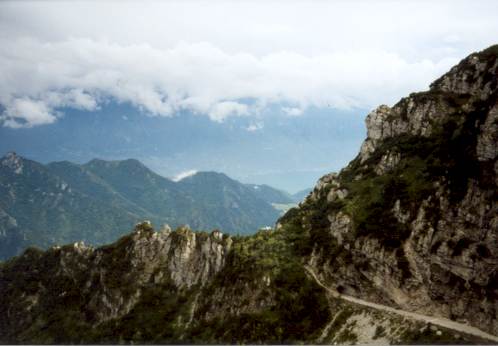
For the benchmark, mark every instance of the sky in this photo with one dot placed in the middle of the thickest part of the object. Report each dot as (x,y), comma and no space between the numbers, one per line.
(227,59)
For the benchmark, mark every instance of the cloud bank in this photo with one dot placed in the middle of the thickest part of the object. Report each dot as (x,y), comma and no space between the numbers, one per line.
(52,59)
(40,78)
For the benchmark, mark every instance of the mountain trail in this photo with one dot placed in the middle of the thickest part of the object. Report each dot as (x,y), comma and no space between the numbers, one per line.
(439,321)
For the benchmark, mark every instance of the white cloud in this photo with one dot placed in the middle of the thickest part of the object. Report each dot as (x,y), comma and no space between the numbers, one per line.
(225,59)
(198,77)
(221,110)
(22,112)
(255,127)
(292,111)
(184,175)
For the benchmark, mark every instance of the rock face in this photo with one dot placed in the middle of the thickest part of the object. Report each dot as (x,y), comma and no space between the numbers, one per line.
(106,283)
(415,224)
(184,286)
(12,161)
(472,81)
(161,287)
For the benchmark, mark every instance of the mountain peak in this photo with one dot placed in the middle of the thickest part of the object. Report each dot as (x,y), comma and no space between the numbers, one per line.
(420,196)
(115,163)
(13,161)
(94,162)
(211,174)
(202,175)
(467,89)
(475,75)
(98,162)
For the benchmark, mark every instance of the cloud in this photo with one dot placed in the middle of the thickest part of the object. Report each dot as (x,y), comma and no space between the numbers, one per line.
(255,127)
(192,56)
(292,111)
(184,175)
(221,110)
(199,77)
(22,112)
(25,111)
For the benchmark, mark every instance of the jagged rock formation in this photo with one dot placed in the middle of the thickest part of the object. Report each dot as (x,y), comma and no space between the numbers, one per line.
(411,222)
(166,286)
(185,286)
(107,282)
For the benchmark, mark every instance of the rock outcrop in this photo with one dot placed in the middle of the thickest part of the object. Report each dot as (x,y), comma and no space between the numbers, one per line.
(13,162)
(414,218)
(107,282)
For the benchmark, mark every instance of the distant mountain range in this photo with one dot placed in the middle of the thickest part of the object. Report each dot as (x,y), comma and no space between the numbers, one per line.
(275,196)
(301,195)
(96,202)
(287,152)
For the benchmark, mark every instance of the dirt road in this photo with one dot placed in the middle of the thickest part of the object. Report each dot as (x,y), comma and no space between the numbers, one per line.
(439,321)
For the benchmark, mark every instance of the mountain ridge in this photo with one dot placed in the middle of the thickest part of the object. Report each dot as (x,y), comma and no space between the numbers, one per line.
(92,201)
(411,221)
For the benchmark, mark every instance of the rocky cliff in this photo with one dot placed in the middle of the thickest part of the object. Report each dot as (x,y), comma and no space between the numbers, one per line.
(88,286)
(186,287)
(163,287)
(410,223)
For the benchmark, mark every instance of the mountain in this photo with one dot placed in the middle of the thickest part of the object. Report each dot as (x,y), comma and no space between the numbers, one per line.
(280,200)
(272,149)
(65,202)
(270,194)
(412,221)
(398,247)
(47,210)
(301,195)
(225,203)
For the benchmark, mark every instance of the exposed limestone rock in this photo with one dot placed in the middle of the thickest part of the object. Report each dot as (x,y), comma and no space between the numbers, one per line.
(376,130)
(194,261)
(183,258)
(387,162)
(471,76)
(340,226)
(399,214)
(13,162)
(406,117)
(165,228)
(325,181)
(475,76)
(445,262)
(336,193)
(487,147)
